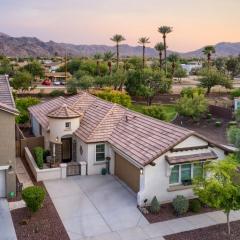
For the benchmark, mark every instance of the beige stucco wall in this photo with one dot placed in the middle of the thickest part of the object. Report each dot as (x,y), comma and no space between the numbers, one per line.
(7,148)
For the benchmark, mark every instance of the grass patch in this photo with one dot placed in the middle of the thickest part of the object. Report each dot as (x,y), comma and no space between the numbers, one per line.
(168,109)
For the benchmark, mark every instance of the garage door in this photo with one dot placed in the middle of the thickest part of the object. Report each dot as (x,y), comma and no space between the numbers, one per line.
(127,172)
(2,184)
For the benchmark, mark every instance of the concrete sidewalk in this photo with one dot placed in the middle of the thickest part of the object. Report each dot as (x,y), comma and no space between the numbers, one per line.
(7,231)
(156,231)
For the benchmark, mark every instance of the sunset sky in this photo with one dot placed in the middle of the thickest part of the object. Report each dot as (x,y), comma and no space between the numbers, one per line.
(195,22)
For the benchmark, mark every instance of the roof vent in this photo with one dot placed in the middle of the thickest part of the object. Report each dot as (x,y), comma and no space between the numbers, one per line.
(126,118)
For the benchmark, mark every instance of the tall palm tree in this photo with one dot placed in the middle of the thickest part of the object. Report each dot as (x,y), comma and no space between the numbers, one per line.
(98,57)
(173,58)
(108,57)
(208,51)
(160,48)
(143,41)
(118,38)
(164,30)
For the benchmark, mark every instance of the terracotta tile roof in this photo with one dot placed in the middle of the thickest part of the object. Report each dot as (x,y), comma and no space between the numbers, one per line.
(203,156)
(64,111)
(6,99)
(140,137)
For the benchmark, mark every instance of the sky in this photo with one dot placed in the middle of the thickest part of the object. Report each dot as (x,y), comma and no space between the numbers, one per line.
(195,23)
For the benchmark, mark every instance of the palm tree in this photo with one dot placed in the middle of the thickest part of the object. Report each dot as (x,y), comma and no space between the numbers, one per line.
(160,47)
(173,58)
(108,57)
(164,30)
(117,38)
(208,51)
(98,57)
(143,41)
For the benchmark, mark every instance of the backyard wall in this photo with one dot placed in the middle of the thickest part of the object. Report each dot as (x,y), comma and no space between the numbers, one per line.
(31,143)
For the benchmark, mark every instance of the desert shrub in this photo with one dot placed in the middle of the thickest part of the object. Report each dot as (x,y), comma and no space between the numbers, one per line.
(33,197)
(155,206)
(180,204)
(235,93)
(38,151)
(155,112)
(115,97)
(195,205)
(56,93)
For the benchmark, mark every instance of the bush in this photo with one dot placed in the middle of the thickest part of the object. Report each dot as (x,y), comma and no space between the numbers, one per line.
(33,197)
(38,151)
(46,153)
(180,204)
(155,206)
(218,123)
(155,112)
(195,205)
(235,93)
(56,93)
(115,97)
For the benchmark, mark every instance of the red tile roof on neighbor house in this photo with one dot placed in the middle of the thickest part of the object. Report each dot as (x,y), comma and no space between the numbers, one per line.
(6,99)
(139,137)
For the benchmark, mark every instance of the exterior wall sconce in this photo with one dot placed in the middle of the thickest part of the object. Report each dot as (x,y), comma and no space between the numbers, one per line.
(57,138)
(141,171)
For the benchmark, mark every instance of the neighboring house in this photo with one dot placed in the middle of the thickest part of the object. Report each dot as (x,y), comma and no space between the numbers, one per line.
(7,139)
(189,67)
(152,157)
(57,76)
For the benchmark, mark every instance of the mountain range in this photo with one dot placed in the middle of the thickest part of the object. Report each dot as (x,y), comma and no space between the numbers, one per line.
(31,46)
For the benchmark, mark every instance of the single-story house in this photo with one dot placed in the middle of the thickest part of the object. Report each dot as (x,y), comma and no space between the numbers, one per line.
(152,157)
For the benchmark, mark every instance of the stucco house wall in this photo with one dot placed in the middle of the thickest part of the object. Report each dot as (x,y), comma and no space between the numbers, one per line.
(155,179)
(7,150)
(35,127)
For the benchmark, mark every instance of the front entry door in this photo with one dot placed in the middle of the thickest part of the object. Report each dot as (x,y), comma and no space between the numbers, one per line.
(66,150)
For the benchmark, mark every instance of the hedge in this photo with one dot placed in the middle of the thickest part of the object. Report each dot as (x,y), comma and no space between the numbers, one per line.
(38,151)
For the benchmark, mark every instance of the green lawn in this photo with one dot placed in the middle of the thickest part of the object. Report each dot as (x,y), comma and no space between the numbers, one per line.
(169,110)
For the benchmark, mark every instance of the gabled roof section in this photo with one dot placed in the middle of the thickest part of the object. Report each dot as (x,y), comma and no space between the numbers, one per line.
(64,112)
(40,111)
(6,99)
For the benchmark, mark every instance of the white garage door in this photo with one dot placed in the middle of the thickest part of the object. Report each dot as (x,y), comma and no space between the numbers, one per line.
(2,184)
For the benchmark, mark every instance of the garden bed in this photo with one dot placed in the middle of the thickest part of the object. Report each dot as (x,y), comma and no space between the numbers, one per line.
(216,232)
(45,224)
(167,213)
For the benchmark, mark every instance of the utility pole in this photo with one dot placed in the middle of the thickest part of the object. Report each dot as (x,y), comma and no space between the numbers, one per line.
(66,65)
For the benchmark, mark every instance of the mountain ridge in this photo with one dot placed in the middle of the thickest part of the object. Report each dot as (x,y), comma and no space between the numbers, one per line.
(32,46)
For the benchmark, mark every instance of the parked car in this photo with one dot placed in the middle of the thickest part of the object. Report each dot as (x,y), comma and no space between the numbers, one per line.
(56,83)
(46,82)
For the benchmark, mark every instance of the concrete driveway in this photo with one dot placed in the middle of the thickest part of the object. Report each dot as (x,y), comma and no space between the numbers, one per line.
(95,205)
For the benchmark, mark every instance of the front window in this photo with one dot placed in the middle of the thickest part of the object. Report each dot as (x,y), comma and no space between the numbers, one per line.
(100,152)
(185,172)
(68,125)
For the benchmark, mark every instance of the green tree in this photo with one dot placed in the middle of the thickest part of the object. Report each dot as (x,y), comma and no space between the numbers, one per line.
(84,83)
(160,48)
(173,59)
(5,66)
(180,73)
(164,30)
(208,51)
(108,58)
(143,41)
(117,38)
(98,57)
(211,77)
(22,80)
(34,68)
(219,188)
(233,66)
(147,84)
(192,103)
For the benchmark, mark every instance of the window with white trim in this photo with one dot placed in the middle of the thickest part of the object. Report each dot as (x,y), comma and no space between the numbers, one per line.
(185,172)
(100,152)
(68,125)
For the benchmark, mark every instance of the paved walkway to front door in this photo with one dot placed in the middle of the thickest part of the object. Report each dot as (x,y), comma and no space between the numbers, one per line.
(100,208)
